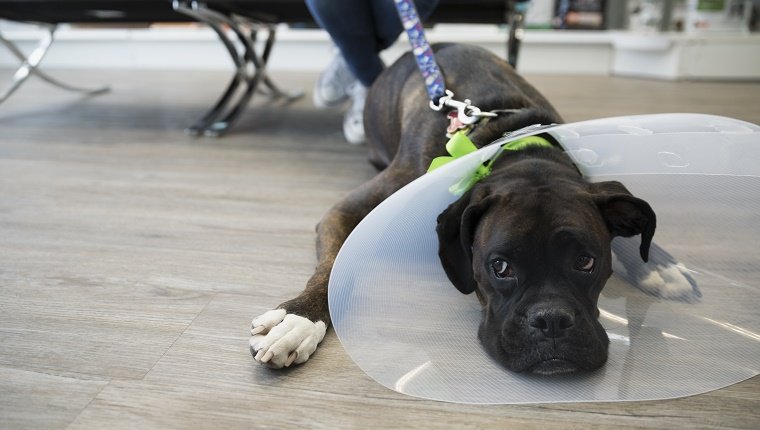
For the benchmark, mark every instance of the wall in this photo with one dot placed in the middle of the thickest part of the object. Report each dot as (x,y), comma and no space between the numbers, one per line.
(660,55)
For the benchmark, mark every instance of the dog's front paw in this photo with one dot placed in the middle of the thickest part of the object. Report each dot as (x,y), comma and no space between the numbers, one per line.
(662,276)
(279,339)
(671,282)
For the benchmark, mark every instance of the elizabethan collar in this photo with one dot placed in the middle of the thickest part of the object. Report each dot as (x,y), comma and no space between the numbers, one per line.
(407,327)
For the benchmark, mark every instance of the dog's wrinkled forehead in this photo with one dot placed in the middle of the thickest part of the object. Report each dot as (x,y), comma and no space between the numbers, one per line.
(541,217)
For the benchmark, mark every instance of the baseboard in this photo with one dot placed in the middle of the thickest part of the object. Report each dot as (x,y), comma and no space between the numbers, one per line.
(662,56)
(296,49)
(677,56)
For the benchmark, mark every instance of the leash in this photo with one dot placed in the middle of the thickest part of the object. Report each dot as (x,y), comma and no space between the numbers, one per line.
(467,115)
(435,85)
(423,53)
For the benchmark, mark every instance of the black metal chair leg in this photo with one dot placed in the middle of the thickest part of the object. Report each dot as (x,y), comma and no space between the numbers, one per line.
(30,65)
(516,21)
(272,90)
(194,10)
(251,80)
(250,67)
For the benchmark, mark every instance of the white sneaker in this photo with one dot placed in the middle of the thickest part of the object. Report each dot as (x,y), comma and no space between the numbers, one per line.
(353,121)
(332,86)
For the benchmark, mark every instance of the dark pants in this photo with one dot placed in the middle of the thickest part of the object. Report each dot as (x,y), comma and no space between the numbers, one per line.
(363,28)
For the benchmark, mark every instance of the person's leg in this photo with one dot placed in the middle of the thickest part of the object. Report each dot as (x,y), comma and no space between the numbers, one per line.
(351,26)
(361,29)
(388,27)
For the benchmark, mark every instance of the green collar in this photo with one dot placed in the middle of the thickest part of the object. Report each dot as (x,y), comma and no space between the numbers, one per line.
(460,145)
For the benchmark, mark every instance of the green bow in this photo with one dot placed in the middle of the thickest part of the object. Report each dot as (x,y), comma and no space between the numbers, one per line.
(460,145)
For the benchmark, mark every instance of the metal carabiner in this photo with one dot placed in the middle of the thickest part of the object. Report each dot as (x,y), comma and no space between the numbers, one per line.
(466,112)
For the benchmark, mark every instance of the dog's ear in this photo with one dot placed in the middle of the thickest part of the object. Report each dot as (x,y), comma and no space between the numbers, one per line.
(456,227)
(625,214)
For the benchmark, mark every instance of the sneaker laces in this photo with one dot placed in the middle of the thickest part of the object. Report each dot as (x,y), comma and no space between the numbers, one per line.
(358,94)
(334,82)
(353,122)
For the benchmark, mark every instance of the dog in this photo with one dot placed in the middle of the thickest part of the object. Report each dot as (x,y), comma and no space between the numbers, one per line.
(532,240)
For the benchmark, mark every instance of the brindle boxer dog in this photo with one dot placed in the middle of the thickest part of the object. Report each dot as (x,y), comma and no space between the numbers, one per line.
(532,240)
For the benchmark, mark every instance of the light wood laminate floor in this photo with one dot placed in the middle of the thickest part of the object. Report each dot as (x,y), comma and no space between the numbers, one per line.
(132,258)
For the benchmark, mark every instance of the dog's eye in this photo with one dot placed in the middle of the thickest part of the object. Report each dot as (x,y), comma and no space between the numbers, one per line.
(585,263)
(502,269)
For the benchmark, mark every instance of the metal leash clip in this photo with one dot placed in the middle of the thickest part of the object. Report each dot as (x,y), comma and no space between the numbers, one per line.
(466,112)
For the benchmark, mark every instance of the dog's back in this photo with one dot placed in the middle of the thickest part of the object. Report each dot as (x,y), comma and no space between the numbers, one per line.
(398,116)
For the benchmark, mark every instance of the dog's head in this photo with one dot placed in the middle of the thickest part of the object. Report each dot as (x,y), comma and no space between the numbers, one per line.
(534,244)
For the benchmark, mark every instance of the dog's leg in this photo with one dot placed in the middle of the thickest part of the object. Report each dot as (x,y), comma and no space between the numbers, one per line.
(290,334)
(662,276)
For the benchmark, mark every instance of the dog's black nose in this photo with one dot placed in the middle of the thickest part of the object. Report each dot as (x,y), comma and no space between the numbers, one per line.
(552,321)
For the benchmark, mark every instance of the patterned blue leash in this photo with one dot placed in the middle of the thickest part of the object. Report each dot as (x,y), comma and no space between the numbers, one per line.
(439,96)
(434,83)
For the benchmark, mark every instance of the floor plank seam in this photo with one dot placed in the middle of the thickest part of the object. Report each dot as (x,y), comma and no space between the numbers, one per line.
(88,404)
(110,381)
(213,296)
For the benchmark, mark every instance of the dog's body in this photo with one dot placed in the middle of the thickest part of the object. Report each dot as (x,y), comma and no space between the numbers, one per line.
(532,239)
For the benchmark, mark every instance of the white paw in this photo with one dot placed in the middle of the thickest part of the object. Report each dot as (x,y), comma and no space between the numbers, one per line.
(266,321)
(280,339)
(670,282)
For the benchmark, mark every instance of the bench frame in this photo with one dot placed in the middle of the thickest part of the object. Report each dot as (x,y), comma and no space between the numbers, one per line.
(236,23)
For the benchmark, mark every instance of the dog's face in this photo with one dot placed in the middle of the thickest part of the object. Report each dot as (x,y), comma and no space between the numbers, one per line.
(536,250)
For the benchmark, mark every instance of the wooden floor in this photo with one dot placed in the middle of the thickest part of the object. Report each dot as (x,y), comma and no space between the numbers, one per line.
(132,258)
